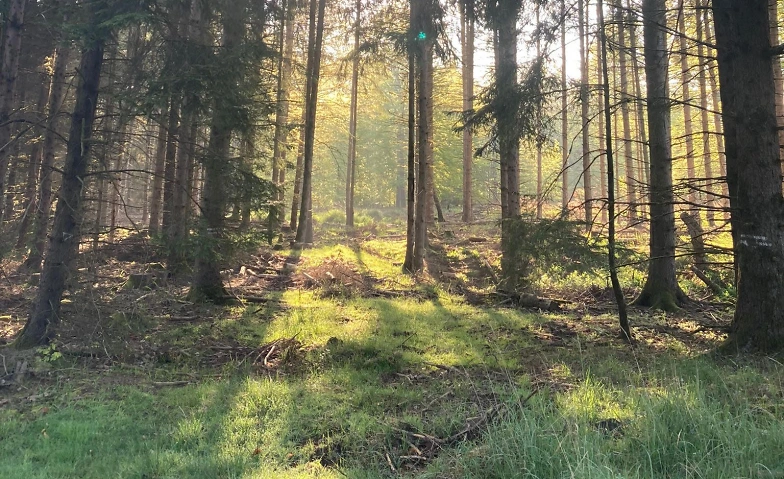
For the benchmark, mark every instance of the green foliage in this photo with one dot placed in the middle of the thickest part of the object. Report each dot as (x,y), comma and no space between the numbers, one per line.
(557,248)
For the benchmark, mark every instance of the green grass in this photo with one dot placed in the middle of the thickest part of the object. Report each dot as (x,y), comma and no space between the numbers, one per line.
(373,366)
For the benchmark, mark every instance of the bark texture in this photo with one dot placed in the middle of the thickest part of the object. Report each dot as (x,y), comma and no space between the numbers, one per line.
(753,171)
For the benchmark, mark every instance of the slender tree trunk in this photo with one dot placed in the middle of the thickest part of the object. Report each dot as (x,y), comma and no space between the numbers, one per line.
(296,200)
(56,93)
(564,119)
(631,181)
(661,289)
(584,116)
(157,180)
(707,153)
(602,141)
(282,115)
(305,227)
(688,129)
(9,69)
(351,162)
(408,263)
(620,300)
(64,242)
(170,166)
(642,131)
(753,171)
(539,139)
(33,169)
(467,11)
(717,120)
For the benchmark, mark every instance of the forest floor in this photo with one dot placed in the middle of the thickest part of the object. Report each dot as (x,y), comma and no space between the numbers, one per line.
(331,363)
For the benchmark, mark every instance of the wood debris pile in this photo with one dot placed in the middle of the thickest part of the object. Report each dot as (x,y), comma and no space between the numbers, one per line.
(271,356)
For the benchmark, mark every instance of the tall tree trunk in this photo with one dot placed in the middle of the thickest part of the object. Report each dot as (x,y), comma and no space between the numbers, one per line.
(564,119)
(423,47)
(189,124)
(408,263)
(33,169)
(601,134)
(642,131)
(64,242)
(207,284)
(688,129)
(616,285)
(468,21)
(351,162)
(316,37)
(707,153)
(55,102)
(631,181)
(170,166)
(539,134)
(296,197)
(718,126)
(584,116)
(9,69)
(753,171)
(280,146)
(157,180)
(661,289)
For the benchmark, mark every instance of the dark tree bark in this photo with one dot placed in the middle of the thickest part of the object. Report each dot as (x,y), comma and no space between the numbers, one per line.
(56,93)
(207,284)
(170,166)
(64,242)
(753,171)
(316,37)
(661,289)
(616,285)
(12,43)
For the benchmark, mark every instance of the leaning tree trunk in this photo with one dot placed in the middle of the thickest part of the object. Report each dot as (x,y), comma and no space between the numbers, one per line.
(661,289)
(753,171)
(12,42)
(64,242)
(616,285)
(281,144)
